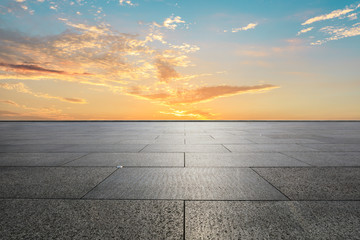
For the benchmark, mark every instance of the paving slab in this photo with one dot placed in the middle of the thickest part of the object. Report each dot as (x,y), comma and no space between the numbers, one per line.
(272,220)
(334,147)
(185,183)
(315,183)
(33,148)
(84,219)
(184,148)
(282,140)
(50,182)
(267,147)
(131,160)
(240,160)
(37,159)
(324,159)
(112,148)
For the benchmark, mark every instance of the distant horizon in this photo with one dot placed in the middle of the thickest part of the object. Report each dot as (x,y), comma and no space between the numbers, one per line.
(165,60)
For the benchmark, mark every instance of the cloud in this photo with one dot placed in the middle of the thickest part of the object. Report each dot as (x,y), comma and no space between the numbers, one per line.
(8,113)
(35,113)
(32,112)
(335,30)
(9,102)
(91,54)
(170,22)
(166,71)
(187,48)
(22,88)
(25,67)
(352,16)
(249,26)
(305,30)
(202,94)
(333,14)
(127,2)
(337,33)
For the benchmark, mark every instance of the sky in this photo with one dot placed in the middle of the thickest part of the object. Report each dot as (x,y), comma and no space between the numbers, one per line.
(179,60)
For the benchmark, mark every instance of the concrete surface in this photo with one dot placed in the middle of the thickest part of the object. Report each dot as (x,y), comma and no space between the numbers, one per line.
(180,180)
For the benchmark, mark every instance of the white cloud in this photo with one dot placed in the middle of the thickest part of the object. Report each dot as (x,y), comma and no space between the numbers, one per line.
(249,26)
(171,22)
(337,33)
(127,2)
(305,30)
(352,16)
(334,14)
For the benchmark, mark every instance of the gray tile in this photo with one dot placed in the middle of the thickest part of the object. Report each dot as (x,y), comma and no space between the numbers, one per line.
(240,160)
(334,147)
(112,148)
(183,148)
(49,182)
(185,183)
(267,147)
(327,158)
(131,160)
(32,148)
(179,141)
(136,141)
(80,219)
(272,220)
(280,140)
(37,159)
(315,183)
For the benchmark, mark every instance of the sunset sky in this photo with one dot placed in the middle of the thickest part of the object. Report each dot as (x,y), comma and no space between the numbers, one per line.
(167,59)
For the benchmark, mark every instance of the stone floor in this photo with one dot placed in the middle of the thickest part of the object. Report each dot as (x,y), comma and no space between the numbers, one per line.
(180,180)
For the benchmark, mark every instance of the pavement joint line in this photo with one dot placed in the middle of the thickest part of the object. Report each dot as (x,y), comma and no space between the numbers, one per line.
(100,183)
(271,184)
(75,159)
(225,147)
(186,200)
(235,167)
(143,148)
(297,159)
(184,220)
(184,160)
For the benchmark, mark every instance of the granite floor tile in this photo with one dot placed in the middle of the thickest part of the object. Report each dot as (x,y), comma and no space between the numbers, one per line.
(37,159)
(334,147)
(49,182)
(240,160)
(84,219)
(33,148)
(267,148)
(185,183)
(184,148)
(131,160)
(272,220)
(315,183)
(100,148)
(327,159)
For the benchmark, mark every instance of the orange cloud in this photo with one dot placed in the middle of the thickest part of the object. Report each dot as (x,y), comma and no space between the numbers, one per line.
(8,113)
(20,87)
(166,71)
(202,94)
(35,68)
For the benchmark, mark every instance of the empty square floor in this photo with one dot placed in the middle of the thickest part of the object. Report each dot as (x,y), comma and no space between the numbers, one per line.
(180,180)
